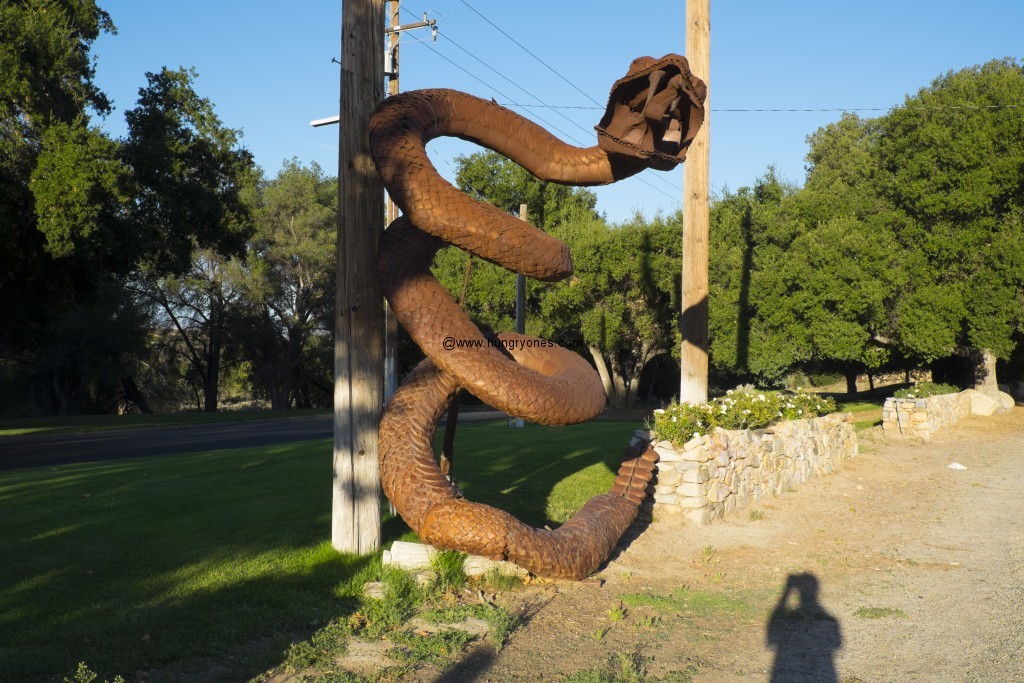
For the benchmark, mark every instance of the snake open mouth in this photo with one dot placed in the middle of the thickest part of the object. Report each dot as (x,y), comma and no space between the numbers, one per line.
(653,114)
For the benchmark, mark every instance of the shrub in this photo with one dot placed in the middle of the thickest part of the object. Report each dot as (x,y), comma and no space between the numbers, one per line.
(742,408)
(824,379)
(797,379)
(926,389)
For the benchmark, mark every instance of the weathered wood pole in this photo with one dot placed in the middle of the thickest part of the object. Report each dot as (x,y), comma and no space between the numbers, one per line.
(359,315)
(520,306)
(391,322)
(521,286)
(693,383)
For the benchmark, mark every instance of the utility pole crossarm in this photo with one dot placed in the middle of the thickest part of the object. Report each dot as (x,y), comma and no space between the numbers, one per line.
(431,23)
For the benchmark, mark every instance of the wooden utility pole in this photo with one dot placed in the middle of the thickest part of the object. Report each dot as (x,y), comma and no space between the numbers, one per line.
(521,287)
(520,308)
(359,324)
(693,384)
(391,331)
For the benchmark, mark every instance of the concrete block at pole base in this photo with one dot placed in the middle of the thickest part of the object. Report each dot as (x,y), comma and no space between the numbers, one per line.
(417,556)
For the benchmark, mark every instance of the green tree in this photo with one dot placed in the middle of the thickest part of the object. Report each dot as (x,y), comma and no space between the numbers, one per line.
(192,190)
(488,176)
(81,213)
(87,362)
(620,304)
(505,184)
(952,159)
(197,310)
(753,332)
(289,288)
(46,83)
(190,175)
(843,276)
(622,299)
(852,272)
(67,337)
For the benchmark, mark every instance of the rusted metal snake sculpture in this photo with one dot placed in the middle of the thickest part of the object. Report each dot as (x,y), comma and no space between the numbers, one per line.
(653,114)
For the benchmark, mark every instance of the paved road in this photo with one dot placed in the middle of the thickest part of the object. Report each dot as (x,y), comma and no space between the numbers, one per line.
(58,449)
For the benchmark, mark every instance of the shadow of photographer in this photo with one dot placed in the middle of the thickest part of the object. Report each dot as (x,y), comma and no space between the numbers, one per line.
(804,636)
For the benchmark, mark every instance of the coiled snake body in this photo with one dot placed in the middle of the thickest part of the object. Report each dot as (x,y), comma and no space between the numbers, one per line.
(653,114)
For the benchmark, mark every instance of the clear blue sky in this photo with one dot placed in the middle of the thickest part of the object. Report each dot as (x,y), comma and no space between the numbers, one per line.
(267,68)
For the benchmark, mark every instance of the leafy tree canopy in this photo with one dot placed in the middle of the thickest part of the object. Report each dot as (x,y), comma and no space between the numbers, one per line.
(46,91)
(190,176)
(287,319)
(490,176)
(952,159)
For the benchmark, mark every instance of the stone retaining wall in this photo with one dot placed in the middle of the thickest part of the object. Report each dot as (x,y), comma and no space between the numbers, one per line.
(715,474)
(922,417)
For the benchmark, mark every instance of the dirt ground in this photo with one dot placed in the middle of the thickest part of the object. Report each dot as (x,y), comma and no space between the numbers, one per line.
(895,568)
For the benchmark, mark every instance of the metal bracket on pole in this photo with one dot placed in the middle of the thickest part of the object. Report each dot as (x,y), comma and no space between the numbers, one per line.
(390,63)
(432,23)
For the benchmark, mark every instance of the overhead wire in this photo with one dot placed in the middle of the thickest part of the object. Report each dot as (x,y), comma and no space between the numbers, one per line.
(659,177)
(544,105)
(513,103)
(525,49)
(951,107)
(488,85)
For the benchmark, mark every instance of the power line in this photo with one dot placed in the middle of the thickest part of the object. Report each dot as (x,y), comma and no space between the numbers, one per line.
(575,87)
(542,104)
(464,70)
(525,49)
(515,104)
(488,85)
(551,125)
(953,107)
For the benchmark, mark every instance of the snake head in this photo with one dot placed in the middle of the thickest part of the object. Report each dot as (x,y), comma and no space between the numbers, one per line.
(653,113)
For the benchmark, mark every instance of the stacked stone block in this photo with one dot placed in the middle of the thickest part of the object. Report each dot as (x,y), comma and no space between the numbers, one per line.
(729,469)
(922,417)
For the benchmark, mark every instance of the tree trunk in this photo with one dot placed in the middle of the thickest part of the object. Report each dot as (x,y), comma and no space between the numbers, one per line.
(633,382)
(211,377)
(871,384)
(59,395)
(851,381)
(621,395)
(293,378)
(985,371)
(209,395)
(279,397)
(631,387)
(619,383)
(602,371)
(134,394)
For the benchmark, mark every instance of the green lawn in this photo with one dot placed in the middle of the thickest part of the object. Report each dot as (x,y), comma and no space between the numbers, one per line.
(94,423)
(866,406)
(171,563)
